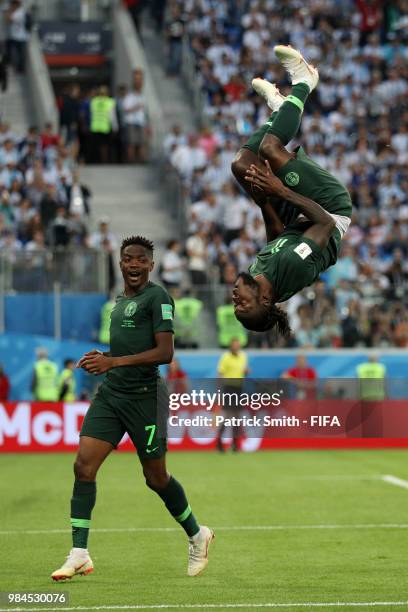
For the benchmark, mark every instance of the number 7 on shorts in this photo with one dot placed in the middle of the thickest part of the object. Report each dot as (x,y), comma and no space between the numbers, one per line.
(152,432)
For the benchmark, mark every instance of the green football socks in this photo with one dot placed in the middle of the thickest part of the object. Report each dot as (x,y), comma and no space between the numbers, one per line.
(176,503)
(286,122)
(82,503)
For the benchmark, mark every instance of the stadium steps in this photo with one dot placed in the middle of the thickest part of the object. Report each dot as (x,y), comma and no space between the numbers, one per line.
(131,198)
(15,107)
(171,91)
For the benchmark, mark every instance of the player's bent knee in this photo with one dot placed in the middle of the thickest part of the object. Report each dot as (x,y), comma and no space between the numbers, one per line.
(271,148)
(84,471)
(238,168)
(156,480)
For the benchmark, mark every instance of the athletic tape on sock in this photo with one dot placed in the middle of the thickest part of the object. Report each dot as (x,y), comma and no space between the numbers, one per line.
(83,523)
(295,101)
(182,517)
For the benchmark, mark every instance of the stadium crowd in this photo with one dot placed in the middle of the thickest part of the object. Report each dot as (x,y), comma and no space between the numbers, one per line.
(355,125)
(44,208)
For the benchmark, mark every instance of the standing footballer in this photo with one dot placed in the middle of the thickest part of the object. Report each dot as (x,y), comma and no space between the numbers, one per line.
(131,399)
(306,209)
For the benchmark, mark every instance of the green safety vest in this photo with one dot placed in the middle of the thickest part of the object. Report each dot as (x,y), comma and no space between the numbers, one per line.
(104,330)
(372,381)
(46,388)
(187,311)
(67,376)
(229,327)
(101,111)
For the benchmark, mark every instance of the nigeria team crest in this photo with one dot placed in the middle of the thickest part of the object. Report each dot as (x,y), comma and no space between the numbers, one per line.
(130,309)
(292,179)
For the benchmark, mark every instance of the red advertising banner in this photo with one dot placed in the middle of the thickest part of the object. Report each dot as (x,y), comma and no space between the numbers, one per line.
(54,427)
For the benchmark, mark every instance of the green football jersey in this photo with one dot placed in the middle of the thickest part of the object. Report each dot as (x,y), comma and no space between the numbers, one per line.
(134,322)
(291,262)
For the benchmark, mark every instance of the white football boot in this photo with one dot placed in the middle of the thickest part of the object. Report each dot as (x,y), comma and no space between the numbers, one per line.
(296,66)
(270,92)
(78,562)
(198,551)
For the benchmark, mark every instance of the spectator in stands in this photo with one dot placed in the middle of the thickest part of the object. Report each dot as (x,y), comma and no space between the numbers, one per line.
(77,196)
(66,383)
(174,34)
(229,327)
(58,231)
(49,138)
(4,385)
(49,204)
(6,210)
(173,139)
(44,383)
(187,320)
(172,266)
(70,116)
(103,124)
(37,263)
(103,233)
(18,34)
(3,71)
(372,377)
(135,117)
(23,215)
(188,157)
(196,247)
(304,377)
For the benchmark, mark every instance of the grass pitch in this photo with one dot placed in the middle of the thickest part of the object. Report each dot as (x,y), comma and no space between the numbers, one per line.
(291,528)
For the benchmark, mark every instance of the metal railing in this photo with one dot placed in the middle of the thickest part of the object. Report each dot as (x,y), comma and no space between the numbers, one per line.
(37,271)
(38,78)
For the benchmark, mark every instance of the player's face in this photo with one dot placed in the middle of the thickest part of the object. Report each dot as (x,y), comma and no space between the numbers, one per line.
(136,264)
(245,294)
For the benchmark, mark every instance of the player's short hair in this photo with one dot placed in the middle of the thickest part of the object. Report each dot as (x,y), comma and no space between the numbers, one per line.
(138,240)
(265,319)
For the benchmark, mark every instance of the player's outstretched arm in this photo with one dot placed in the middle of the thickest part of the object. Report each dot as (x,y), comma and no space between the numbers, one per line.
(323,222)
(98,363)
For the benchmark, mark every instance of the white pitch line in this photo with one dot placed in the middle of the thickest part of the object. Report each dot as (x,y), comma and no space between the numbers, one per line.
(307,604)
(223,528)
(336,477)
(398,482)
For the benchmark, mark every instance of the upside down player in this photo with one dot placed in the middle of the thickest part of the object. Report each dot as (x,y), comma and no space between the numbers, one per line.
(306,210)
(131,399)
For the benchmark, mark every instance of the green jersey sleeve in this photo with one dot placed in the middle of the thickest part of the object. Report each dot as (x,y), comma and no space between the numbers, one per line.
(162,306)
